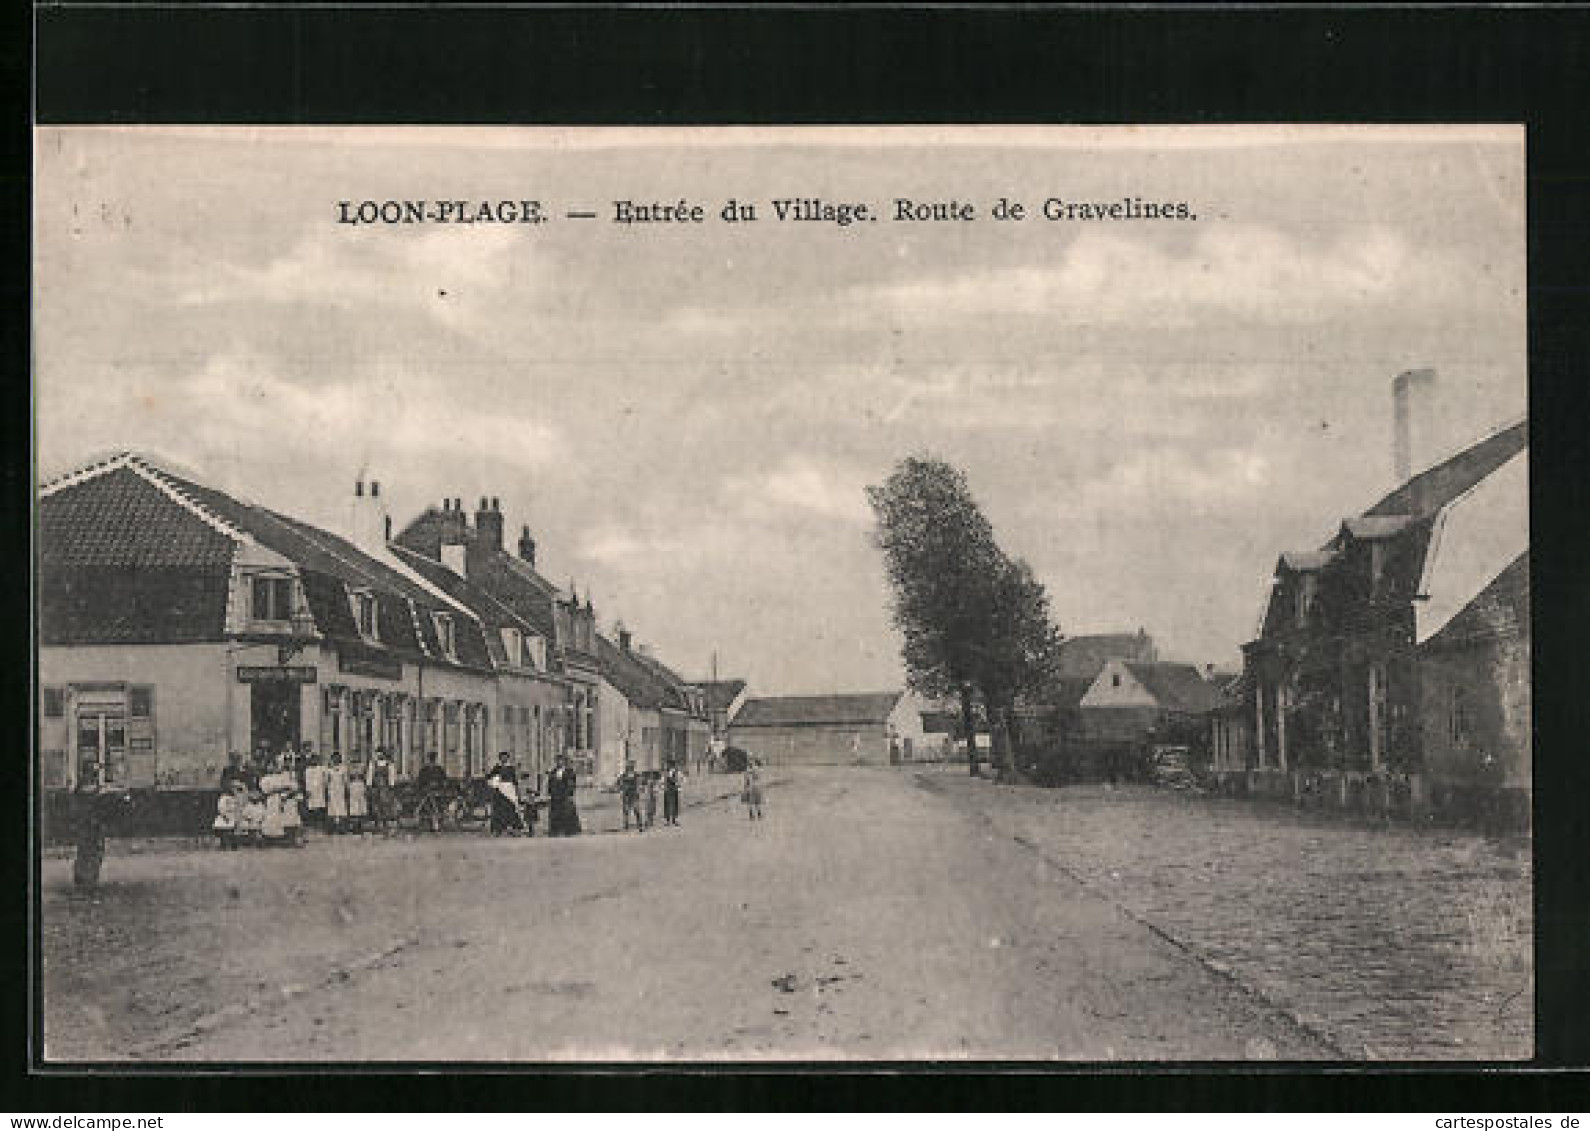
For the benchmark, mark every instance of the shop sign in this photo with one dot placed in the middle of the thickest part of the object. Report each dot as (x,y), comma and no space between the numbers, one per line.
(283,673)
(371,666)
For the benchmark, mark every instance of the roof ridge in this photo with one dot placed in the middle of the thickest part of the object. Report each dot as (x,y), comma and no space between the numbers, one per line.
(160,479)
(83,474)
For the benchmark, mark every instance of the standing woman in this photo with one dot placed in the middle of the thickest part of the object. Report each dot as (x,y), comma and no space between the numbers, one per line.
(358,797)
(336,795)
(752,793)
(314,788)
(383,797)
(564,818)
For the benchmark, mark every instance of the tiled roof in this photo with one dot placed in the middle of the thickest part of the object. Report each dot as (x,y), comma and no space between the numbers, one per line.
(323,552)
(1372,527)
(1306,561)
(721,694)
(817,710)
(139,605)
(638,684)
(132,514)
(1500,610)
(1179,687)
(1433,489)
(678,694)
(491,612)
(1085,656)
(123,519)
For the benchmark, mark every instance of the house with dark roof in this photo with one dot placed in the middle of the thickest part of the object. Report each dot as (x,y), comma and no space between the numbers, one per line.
(1083,657)
(1390,671)
(178,622)
(723,698)
(531,694)
(475,552)
(878,729)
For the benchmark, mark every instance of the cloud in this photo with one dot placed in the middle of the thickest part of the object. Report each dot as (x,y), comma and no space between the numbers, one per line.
(800,483)
(1246,271)
(449,273)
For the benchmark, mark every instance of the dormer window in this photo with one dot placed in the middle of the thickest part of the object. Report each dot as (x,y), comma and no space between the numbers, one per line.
(444,634)
(271,598)
(538,652)
(1307,585)
(365,612)
(513,645)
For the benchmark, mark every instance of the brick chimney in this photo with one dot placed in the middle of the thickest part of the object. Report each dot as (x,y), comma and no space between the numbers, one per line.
(527,546)
(455,524)
(1413,397)
(624,639)
(488,524)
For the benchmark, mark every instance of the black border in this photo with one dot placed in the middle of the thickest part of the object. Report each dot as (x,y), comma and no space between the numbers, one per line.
(821,64)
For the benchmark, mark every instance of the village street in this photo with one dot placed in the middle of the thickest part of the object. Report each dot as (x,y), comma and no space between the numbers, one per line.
(883,914)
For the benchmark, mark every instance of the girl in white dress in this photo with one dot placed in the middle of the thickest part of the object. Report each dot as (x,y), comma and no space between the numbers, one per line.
(336,795)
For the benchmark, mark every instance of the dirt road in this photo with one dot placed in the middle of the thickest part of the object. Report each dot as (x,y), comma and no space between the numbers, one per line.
(865,917)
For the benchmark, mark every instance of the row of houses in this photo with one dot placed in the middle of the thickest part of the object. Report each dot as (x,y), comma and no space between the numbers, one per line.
(178,623)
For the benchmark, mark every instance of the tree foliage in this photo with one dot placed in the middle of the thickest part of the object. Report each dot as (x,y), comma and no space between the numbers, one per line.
(972,619)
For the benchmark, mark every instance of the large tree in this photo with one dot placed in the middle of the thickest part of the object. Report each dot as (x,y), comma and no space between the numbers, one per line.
(974,622)
(1018,649)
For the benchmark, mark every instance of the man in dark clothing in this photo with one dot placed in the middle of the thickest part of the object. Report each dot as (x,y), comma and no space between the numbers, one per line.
(93,808)
(671,781)
(629,795)
(431,775)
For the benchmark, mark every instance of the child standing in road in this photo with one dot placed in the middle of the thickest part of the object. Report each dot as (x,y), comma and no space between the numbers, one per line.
(336,795)
(752,793)
(649,797)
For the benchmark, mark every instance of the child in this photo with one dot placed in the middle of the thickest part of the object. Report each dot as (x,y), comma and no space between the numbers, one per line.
(227,812)
(752,795)
(315,789)
(358,799)
(336,795)
(649,796)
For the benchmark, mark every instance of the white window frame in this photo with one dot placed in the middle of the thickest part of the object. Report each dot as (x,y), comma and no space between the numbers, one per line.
(356,602)
(446,634)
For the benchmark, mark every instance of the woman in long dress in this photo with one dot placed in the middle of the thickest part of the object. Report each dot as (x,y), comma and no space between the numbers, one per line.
(277,786)
(564,818)
(504,783)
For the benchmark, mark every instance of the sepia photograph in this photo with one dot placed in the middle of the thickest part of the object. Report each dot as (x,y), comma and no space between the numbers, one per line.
(725,595)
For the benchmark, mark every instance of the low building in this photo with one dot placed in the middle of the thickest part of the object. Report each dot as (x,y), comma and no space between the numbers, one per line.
(828,730)
(1132,702)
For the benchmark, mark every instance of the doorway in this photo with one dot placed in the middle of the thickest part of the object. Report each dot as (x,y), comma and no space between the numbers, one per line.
(273,715)
(102,742)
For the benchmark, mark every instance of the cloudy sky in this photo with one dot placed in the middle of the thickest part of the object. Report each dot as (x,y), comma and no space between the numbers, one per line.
(686,416)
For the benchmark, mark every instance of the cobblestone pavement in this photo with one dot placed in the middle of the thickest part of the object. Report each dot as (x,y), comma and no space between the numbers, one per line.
(1394,943)
(866,917)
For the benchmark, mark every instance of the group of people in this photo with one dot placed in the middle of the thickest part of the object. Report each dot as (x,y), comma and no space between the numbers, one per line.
(637,793)
(514,812)
(271,798)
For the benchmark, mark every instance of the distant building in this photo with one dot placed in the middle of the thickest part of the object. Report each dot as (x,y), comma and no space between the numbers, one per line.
(1083,657)
(1391,669)
(723,698)
(871,729)
(1130,701)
